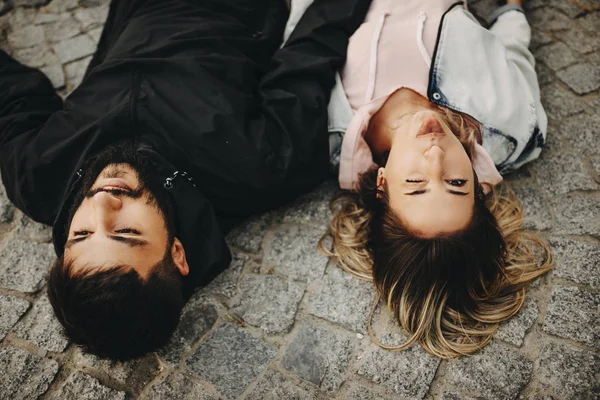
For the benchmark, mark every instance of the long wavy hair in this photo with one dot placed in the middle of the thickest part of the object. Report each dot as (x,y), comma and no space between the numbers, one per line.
(451,291)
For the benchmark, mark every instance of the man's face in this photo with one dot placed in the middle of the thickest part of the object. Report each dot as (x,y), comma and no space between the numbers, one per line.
(117,223)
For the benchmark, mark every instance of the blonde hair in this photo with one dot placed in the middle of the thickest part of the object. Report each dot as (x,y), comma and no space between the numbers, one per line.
(450,292)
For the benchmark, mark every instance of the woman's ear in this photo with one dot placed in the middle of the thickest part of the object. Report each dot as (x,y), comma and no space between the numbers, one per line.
(380,181)
(178,254)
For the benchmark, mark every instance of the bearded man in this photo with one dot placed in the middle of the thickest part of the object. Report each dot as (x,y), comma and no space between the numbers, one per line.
(190,116)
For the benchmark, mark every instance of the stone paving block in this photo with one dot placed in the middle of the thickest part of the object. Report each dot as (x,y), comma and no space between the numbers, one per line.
(23,265)
(577,215)
(514,330)
(24,376)
(344,299)
(539,39)
(581,131)
(60,6)
(178,386)
(28,229)
(231,359)
(74,48)
(536,213)
(573,313)
(269,302)
(11,309)
(314,206)
(456,396)
(249,234)
(64,28)
(596,164)
(91,17)
(197,317)
(495,373)
(80,386)
(408,372)
(42,18)
(41,327)
(76,70)
(559,102)
(555,55)
(93,3)
(55,74)
(591,21)
(563,172)
(274,386)
(226,283)
(544,74)
(576,260)
(582,78)
(580,40)
(21,17)
(548,19)
(95,34)
(36,56)
(319,356)
(579,376)
(27,36)
(362,393)
(5,6)
(7,210)
(30,3)
(292,251)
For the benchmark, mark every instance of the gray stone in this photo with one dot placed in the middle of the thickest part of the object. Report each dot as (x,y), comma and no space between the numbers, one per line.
(226,283)
(539,39)
(591,21)
(275,386)
(91,17)
(456,396)
(60,6)
(93,3)
(30,230)
(563,172)
(197,318)
(24,376)
(594,58)
(514,330)
(582,41)
(314,206)
(55,74)
(596,165)
(80,386)
(11,309)
(37,56)
(76,70)
(569,372)
(231,359)
(27,36)
(178,386)
(577,215)
(95,34)
(544,74)
(581,132)
(45,18)
(344,299)
(7,210)
(536,213)
(573,313)
(576,261)
(23,265)
(497,372)
(362,393)
(556,55)
(249,234)
(559,102)
(408,372)
(571,9)
(74,48)
(292,251)
(5,6)
(582,78)
(269,302)
(21,17)
(64,28)
(41,327)
(548,19)
(319,356)
(30,3)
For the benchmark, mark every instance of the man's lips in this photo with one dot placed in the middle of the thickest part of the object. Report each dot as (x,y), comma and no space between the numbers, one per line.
(431,126)
(114,184)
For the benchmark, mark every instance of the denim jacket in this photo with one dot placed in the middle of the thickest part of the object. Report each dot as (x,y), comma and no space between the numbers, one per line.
(487,74)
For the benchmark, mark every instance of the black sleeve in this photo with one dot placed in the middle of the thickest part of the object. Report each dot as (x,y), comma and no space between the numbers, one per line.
(27,102)
(295,92)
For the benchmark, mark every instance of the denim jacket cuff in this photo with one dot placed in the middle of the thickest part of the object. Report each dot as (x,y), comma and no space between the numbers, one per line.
(499,11)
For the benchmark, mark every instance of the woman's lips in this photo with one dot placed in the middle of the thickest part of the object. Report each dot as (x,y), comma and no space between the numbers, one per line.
(431,126)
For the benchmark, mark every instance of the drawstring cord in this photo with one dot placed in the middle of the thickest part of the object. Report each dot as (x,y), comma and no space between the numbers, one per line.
(373,64)
(422,49)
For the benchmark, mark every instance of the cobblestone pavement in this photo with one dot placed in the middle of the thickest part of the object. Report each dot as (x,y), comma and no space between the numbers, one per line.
(282,323)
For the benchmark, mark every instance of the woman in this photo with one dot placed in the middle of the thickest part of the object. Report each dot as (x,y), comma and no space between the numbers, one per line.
(439,105)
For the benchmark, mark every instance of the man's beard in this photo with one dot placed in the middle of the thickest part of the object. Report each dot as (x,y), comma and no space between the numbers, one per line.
(126,153)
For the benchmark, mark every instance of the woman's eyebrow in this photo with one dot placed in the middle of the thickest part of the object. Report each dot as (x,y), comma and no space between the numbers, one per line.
(417,192)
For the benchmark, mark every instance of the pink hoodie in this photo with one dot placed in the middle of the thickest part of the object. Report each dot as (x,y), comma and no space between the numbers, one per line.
(392,49)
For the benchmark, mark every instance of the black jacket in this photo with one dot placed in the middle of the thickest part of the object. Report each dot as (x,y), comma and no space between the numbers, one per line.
(203,87)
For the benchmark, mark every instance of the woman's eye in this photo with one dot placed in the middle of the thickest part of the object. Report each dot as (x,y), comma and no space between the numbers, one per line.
(457,182)
(128,230)
(414,181)
(81,233)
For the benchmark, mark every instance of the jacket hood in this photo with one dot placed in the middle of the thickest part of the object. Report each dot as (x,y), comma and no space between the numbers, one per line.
(196,225)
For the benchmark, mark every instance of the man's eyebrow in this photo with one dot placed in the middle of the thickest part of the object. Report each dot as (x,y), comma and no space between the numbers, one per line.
(131,242)
(71,242)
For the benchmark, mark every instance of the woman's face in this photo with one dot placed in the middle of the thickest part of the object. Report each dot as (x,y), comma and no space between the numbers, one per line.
(428,175)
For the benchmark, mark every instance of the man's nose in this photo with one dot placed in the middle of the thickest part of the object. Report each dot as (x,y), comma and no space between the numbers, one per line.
(105,204)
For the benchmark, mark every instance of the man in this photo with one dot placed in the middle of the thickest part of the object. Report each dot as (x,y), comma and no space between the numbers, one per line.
(189,117)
